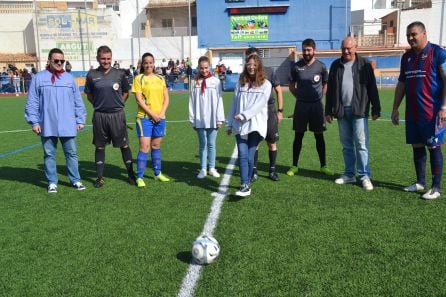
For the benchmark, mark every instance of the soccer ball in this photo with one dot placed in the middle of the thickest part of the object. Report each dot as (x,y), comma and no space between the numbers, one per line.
(205,249)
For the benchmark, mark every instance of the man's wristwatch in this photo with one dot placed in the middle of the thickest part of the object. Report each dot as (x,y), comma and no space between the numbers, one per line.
(280,110)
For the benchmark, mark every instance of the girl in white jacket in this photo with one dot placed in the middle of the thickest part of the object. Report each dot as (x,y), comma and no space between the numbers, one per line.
(206,114)
(248,116)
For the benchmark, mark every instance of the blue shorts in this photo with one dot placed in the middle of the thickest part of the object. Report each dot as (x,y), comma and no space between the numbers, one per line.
(423,133)
(147,128)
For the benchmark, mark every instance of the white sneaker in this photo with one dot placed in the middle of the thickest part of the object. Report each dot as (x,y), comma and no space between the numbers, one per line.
(344,179)
(52,188)
(431,194)
(245,190)
(202,174)
(213,172)
(414,188)
(367,183)
(79,186)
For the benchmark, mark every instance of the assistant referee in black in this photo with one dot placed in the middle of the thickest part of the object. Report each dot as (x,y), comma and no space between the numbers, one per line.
(107,88)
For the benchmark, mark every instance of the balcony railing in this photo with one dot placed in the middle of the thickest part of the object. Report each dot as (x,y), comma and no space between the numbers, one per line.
(16,7)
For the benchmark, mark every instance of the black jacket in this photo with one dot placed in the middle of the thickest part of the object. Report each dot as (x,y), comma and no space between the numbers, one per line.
(364,89)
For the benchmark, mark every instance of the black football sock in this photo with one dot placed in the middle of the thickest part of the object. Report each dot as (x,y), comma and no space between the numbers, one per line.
(436,158)
(272,160)
(320,147)
(128,161)
(99,159)
(297,147)
(419,158)
(256,159)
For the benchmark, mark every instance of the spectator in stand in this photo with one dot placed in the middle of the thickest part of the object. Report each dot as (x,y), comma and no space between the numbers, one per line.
(10,77)
(164,66)
(228,71)
(116,65)
(67,66)
(129,74)
(170,64)
(27,78)
(4,72)
(16,82)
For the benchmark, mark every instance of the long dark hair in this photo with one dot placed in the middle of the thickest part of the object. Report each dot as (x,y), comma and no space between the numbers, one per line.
(260,72)
(141,70)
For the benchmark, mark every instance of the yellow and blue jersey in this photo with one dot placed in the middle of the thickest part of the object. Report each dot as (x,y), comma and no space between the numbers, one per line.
(152,88)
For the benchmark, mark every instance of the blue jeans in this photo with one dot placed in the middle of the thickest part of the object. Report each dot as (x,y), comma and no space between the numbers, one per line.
(246,151)
(69,147)
(354,136)
(207,150)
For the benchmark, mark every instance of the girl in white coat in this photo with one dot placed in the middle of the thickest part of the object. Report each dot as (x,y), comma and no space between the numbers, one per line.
(248,117)
(206,114)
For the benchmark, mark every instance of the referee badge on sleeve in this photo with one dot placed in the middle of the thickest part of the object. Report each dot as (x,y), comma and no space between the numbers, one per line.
(115,86)
(317,77)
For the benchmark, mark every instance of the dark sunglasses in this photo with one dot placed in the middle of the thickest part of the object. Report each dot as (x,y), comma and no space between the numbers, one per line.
(57,61)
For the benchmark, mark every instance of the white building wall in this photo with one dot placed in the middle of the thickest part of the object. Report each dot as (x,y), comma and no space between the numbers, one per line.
(370,4)
(368,21)
(17,32)
(433,18)
(131,15)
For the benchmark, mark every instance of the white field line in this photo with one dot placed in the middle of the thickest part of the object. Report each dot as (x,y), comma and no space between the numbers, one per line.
(129,123)
(182,121)
(193,274)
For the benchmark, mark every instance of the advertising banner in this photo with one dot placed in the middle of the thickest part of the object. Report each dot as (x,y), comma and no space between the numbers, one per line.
(77,33)
(249,27)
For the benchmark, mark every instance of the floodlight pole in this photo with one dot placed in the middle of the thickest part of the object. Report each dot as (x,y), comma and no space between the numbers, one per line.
(88,33)
(38,66)
(441,23)
(346,18)
(190,32)
(139,29)
(190,41)
(81,39)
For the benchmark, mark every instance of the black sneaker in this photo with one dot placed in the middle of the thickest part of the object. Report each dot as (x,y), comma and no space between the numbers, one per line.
(99,182)
(131,180)
(254,177)
(245,190)
(273,176)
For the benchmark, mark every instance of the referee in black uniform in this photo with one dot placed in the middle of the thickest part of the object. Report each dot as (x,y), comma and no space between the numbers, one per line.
(274,118)
(107,88)
(308,83)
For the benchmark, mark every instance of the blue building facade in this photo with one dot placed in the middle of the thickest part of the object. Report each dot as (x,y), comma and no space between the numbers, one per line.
(271,23)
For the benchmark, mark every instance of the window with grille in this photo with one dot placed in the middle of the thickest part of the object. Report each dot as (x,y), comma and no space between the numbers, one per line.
(167,23)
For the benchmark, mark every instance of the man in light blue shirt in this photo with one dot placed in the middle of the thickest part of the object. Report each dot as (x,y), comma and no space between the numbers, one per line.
(55,110)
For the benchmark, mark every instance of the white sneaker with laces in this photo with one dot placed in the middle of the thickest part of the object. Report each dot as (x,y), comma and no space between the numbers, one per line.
(79,186)
(367,184)
(344,179)
(213,172)
(52,188)
(245,190)
(431,194)
(202,174)
(414,188)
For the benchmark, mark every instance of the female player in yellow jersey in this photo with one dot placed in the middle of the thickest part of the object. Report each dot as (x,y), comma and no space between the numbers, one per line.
(152,98)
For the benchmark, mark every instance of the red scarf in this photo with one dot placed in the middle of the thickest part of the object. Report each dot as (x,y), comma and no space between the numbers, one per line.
(203,83)
(54,73)
(251,83)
